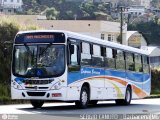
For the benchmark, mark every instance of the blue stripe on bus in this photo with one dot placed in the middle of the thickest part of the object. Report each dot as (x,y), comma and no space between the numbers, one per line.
(136,78)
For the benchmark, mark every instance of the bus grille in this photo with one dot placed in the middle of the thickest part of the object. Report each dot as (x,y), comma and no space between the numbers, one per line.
(36,93)
(37,82)
(37,87)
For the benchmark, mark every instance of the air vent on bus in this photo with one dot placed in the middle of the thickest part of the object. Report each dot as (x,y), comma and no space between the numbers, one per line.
(36,93)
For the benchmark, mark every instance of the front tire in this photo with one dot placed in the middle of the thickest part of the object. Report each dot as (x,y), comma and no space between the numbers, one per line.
(84,98)
(37,103)
(127,100)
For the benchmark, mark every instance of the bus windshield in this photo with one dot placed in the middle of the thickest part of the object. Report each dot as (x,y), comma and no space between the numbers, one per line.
(38,60)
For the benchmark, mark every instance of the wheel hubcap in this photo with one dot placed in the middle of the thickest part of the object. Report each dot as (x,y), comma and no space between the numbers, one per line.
(84,97)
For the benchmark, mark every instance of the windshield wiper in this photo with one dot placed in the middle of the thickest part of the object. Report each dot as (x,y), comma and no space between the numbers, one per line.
(45,49)
(27,48)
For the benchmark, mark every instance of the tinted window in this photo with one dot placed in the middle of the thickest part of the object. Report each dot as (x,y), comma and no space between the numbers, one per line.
(85,55)
(129,61)
(74,56)
(110,58)
(97,59)
(145,64)
(120,61)
(138,63)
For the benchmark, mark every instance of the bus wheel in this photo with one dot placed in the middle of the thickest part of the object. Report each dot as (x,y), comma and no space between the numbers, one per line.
(37,103)
(93,102)
(127,100)
(84,98)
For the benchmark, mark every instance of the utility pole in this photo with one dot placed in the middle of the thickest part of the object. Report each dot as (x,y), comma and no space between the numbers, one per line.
(121,25)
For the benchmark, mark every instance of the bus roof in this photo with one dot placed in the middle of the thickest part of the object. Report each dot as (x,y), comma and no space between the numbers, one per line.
(93,40)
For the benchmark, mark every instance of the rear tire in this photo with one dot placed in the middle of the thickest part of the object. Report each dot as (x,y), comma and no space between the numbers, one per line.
(84,98)
(37,103)
(127,100)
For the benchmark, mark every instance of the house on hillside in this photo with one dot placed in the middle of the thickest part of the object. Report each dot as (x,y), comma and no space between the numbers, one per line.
(10,6)
(145,3)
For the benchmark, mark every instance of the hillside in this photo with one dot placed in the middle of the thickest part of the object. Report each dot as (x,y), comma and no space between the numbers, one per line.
(59,9)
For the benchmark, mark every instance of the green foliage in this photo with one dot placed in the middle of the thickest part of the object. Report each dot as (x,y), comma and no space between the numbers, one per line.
(155,3)
(51,13)
(62,10)
(4,93)
(155,81)
(150,30)
(8,30)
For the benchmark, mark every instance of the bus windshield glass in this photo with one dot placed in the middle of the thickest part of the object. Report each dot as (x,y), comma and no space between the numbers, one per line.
(38,60)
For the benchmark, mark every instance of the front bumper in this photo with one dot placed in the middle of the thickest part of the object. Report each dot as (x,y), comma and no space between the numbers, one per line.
(39,94)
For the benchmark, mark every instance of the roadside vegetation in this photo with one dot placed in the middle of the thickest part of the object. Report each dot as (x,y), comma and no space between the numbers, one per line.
(150,30)
(8,30)
(155,82)
(62,10)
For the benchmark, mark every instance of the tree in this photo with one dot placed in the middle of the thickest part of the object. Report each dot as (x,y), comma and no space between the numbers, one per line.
(87,9)
(155,3)
(150,30)
(51,13)
(7,33)
(8,30)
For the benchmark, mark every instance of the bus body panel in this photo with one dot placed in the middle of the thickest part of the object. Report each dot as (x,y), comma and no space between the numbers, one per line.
(111,85)
(104,83)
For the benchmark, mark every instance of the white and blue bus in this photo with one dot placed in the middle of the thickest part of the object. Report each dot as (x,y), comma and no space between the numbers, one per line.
(65,66)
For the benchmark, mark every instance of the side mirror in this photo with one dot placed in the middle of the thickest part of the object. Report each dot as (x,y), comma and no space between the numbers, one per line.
(71,48)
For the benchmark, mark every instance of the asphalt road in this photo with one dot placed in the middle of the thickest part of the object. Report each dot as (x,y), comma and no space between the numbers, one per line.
(67,111)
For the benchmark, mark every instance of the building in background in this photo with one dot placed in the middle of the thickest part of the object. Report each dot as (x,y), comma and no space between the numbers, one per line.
(100,29)
(145,3)
(154,52)
(135,39)
(10,6)
(136,10)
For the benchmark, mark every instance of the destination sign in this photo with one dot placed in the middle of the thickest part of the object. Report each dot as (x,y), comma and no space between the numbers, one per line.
(40,37)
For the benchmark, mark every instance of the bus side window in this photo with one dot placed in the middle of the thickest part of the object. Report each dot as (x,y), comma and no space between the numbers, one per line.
(85,54)
(138,63)
(130,65)
(97,58)
(73,58)
(120,61)
(74,54)
(145,64)
(109,59)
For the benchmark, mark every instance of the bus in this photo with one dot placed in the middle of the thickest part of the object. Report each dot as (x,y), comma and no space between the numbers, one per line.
(57,65)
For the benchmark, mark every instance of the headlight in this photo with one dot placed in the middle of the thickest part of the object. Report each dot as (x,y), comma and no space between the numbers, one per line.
(17,84)
(57,86)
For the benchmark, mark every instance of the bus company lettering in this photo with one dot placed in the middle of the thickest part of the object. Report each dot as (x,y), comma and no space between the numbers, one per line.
(83,71)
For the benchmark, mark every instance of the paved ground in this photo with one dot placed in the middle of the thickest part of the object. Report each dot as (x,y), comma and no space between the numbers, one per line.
(67,111)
